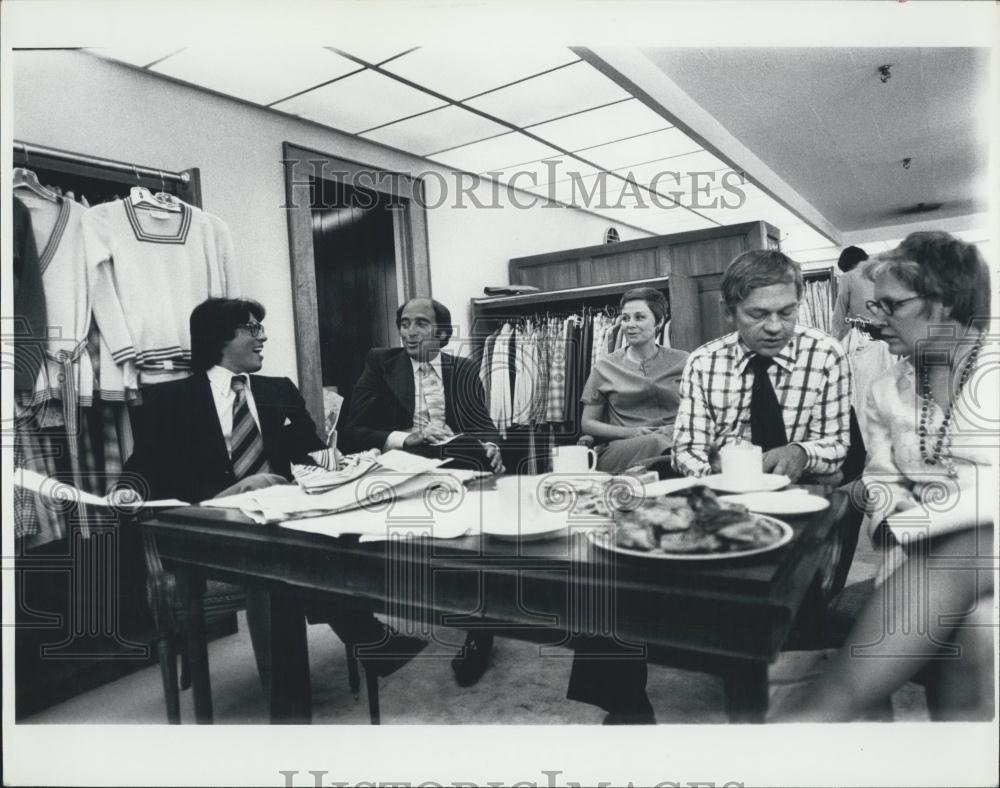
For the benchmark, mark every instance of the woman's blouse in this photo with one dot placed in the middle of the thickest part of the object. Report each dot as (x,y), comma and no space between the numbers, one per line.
(636,395)
(896,470)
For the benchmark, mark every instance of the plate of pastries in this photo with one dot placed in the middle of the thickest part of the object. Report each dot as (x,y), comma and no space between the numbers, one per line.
(690,525)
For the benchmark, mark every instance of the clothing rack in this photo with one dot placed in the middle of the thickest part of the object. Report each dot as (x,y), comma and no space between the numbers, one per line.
(40,151)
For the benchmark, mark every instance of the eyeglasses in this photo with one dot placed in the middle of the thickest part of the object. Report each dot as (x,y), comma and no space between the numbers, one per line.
(254,329)
(887,306)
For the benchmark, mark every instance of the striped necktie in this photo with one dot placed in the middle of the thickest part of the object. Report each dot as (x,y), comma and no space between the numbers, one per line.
(433,396)
(247,453)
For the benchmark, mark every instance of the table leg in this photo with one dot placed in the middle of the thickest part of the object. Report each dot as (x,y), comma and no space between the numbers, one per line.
(291,701)
(746,693)
(201,684)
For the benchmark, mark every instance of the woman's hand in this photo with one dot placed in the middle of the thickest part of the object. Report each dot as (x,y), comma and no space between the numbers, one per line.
(637,431)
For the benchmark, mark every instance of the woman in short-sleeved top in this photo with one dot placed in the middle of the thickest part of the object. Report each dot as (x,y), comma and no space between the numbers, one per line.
(631,397)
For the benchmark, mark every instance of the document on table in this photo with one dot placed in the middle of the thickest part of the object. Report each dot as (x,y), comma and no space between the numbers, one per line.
(397,474)
(59,490)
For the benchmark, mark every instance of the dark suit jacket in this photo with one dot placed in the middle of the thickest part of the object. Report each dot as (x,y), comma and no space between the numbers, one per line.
(179,448)
(382,400)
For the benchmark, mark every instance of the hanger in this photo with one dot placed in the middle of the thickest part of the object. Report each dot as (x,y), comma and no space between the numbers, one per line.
(26,179)
(141,197)
(167,200)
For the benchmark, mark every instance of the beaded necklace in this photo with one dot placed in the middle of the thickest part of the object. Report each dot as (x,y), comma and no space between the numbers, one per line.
(942,451)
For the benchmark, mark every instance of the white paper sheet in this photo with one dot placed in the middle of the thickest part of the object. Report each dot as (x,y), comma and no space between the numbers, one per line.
(58,490)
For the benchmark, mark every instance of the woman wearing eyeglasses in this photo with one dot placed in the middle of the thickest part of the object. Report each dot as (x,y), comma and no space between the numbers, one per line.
(932,427)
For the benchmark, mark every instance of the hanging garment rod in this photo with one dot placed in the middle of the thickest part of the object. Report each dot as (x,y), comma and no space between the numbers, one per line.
(79,158)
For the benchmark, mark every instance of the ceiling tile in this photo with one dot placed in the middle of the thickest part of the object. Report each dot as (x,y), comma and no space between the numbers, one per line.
(575,88)
(350,104)
(259,74)
(434,131)
(601,125)
(462,73)
(642,149)
(506,152)
(138,55)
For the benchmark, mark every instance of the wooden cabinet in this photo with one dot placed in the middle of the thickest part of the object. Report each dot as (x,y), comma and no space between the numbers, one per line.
(687,265)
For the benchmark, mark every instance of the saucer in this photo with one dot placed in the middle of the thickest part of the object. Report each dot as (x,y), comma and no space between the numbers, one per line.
(766,482)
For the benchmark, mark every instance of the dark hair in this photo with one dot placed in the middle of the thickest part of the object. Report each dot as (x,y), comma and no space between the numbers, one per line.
(213,323)
(937,264)
(759,268)
(850,257)
(442,316)
(654,299)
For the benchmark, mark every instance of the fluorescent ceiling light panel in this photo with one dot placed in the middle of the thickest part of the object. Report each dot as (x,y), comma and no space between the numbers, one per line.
(601,125)
(461,73)
(572,89)
(507,152)
(639,150)
(359,102)
(139,55)
(437,130)
(258,74)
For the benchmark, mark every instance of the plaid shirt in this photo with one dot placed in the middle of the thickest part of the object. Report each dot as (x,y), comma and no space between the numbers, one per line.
(811,379)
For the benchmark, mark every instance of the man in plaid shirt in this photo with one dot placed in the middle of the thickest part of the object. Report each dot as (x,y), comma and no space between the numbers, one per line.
(807,369)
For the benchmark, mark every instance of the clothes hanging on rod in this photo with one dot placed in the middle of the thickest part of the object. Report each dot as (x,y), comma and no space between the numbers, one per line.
(533,368)
(816,306)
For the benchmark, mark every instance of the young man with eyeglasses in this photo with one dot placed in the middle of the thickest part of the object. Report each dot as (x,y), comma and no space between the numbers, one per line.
(226,429)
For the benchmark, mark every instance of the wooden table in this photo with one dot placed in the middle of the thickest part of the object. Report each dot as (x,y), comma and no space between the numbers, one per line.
(725,618)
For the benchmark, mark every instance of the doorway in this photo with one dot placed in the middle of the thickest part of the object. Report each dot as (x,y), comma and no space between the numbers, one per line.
(356,288)
(358,245)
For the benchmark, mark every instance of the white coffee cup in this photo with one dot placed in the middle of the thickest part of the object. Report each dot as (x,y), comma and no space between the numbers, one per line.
(573,459)
(742,463)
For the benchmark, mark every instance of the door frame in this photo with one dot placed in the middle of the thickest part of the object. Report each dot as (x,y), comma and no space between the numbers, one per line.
(413,274)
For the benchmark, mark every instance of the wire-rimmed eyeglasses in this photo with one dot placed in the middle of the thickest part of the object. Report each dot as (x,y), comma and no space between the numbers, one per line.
(254,329)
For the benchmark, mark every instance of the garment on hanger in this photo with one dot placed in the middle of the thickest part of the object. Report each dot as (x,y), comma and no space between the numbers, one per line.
(72,299)
(29,302)
(161,264)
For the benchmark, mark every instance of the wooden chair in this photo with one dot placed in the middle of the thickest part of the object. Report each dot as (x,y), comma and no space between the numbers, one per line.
(166,598)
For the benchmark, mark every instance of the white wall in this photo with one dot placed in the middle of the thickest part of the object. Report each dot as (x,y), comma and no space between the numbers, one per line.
(81,103)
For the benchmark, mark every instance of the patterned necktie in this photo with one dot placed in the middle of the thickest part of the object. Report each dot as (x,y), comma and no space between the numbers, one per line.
(247,453)
(767,425)
(433,395)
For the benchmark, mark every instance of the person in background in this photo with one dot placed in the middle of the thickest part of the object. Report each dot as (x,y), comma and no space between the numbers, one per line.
(225,430)
(868,356)
(782,386)
(931,433)
(630,399)
(421,400)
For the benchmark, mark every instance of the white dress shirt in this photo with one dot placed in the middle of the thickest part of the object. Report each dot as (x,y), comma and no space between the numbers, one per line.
(396,437)
(220,380)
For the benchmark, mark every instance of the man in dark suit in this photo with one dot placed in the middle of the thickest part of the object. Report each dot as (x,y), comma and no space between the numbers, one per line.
(421,400)
(224,430)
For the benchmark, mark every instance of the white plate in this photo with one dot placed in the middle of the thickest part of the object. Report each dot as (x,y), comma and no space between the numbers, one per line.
(767,482)
(790,502)
(582,482)
(604,541)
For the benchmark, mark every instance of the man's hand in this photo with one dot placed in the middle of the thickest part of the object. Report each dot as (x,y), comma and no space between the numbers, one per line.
(426,435)
(493,455)
(789,460)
